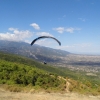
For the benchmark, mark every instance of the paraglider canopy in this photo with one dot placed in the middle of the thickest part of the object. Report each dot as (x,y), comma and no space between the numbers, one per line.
(44,37)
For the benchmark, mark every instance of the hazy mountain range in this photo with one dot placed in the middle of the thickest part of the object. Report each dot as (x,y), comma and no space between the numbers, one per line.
(36,52)
(51,56)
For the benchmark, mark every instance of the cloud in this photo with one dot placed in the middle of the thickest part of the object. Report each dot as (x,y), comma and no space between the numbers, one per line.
(81,45)
(77,48)
(35,26)
(59,29)
(63,29)
(43,33)
(70,30)
(16,35)
(46,42)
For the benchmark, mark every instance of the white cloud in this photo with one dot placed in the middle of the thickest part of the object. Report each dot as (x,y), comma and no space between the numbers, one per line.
(78,48)
(70,30)
(12,29)
(16,35)
(59,29)
(81,45)
(46,42)
(63,29)
(67,47)
(35,26)
(43,33)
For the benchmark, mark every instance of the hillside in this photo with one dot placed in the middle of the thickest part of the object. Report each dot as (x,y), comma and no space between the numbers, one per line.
(27,73)
(30,62)
(36,52)
(13,72)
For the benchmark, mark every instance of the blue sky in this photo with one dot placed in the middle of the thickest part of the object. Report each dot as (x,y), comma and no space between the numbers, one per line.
(75,23)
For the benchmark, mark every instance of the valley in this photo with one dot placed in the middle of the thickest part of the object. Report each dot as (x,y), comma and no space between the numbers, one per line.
(82,70)
(55,57)
(85,63)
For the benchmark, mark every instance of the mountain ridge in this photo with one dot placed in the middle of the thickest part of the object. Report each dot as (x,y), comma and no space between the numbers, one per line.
(36,52)
(56,57)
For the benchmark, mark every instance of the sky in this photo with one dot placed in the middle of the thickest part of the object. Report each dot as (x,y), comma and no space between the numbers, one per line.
(75,23)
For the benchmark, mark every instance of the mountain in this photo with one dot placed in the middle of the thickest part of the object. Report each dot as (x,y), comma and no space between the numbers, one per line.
(36,52)
(88,63)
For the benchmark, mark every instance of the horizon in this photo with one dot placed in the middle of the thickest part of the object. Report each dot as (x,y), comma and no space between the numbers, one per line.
(76,53)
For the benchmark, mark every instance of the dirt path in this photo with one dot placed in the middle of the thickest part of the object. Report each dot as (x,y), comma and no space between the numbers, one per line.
(6,95)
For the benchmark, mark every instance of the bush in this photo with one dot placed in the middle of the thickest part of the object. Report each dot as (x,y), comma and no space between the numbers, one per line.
(15,73)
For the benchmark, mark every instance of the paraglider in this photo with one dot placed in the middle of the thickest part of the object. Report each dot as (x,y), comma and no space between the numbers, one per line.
(44,37)
(45,62)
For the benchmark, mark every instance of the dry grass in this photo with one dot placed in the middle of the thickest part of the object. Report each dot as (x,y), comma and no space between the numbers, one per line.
(6,95)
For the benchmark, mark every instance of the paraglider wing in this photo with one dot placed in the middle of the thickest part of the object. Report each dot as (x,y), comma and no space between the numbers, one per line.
(44,37)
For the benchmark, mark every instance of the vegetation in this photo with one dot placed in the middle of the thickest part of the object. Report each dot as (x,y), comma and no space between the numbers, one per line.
(17,72)
(83,83)
(13,72)
(30,62)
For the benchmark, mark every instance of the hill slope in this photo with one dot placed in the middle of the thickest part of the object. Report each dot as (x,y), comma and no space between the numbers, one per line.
(30,62)
(23,71)
(15,70)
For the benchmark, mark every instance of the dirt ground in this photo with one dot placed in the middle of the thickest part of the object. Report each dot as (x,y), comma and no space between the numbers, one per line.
(6,95)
